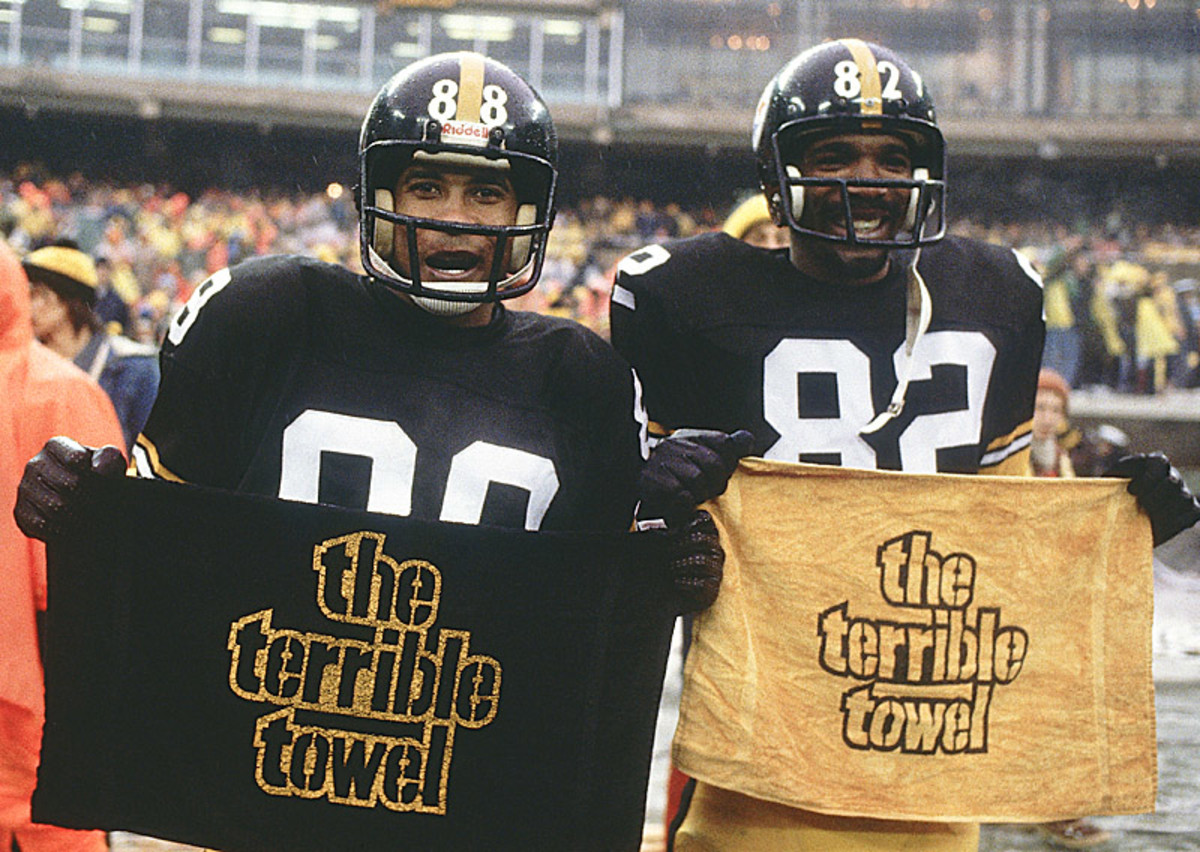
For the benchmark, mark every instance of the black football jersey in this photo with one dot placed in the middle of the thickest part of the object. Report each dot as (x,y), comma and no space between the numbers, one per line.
(725,335)
(289,377)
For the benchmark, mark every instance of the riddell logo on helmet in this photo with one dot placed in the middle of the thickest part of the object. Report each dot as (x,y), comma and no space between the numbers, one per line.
(465,132)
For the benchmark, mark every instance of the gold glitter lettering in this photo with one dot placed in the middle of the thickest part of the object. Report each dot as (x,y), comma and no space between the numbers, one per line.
(423,680)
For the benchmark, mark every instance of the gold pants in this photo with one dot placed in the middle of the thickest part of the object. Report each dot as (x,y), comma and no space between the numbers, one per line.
(723,821)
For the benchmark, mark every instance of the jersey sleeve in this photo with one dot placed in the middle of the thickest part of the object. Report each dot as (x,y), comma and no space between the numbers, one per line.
(217,350)
(628,448)
(615,439)
(644,332)
(1008,419)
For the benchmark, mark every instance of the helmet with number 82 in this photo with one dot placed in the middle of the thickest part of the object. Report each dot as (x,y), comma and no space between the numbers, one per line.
(457,109)
(850,86)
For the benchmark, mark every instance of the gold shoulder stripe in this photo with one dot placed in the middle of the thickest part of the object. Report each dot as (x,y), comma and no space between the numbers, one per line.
(1011,437)
(872,89)
(1014,445)
(1016,464)
(470,87)
(156,466)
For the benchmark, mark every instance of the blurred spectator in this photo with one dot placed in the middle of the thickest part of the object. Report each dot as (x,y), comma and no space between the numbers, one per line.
(1099,450)
(62,289)
(1187,373)
(654,225)
(682,223)
(1156,326)
(1093,354)
(1063,344)
(110,307)
(1048,455)
(44,395)
(751,222)
(1113,309)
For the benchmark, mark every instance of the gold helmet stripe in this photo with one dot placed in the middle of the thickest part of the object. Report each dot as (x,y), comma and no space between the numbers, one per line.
(470,87)
(872,90)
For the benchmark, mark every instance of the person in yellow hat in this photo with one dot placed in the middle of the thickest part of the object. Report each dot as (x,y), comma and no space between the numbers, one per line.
(751,223)
(62,295)
(43,396)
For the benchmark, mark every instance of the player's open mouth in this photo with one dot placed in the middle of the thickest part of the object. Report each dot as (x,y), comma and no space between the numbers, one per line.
(453,265)
(868,222)
(873,228)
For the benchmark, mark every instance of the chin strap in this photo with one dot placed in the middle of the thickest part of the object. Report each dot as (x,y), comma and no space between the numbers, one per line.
(919,311)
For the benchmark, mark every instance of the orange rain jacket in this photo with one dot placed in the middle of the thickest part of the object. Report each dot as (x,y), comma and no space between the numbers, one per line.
(41,395)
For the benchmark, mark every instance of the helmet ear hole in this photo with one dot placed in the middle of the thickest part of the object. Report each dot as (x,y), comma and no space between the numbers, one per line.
(795,192)
(526,215)
(914,199)
(383,237)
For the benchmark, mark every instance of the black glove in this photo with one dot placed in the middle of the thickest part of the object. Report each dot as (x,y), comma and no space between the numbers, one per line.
(1160,492)
(56,480)
(685,469)
(695,560)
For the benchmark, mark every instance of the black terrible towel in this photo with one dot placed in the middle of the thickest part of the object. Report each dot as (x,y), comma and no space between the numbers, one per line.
(253,674)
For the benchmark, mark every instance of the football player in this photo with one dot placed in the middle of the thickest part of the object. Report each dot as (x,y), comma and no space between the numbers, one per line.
(411,390)
(872,341)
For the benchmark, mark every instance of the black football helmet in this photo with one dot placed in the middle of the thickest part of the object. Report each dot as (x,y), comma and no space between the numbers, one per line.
(850,86)
(449,107)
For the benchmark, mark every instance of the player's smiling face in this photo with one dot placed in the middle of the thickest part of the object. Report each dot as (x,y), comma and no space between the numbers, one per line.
(454,193)
(876,212)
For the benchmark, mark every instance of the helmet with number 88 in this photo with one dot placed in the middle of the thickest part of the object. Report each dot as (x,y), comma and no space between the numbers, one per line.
(850,86)
(467,110)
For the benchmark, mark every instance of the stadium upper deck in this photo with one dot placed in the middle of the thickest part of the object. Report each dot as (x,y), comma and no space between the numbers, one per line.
(1072,78)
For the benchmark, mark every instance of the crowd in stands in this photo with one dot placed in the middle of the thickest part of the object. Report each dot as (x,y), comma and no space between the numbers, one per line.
(1122,302)
(1122,298)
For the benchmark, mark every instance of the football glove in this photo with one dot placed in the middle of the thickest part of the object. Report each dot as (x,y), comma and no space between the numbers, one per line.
(696,561)
(1161,493)
(56,481)
(685,469)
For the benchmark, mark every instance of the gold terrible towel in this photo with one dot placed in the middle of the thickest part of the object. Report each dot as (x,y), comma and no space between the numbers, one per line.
(926,647)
